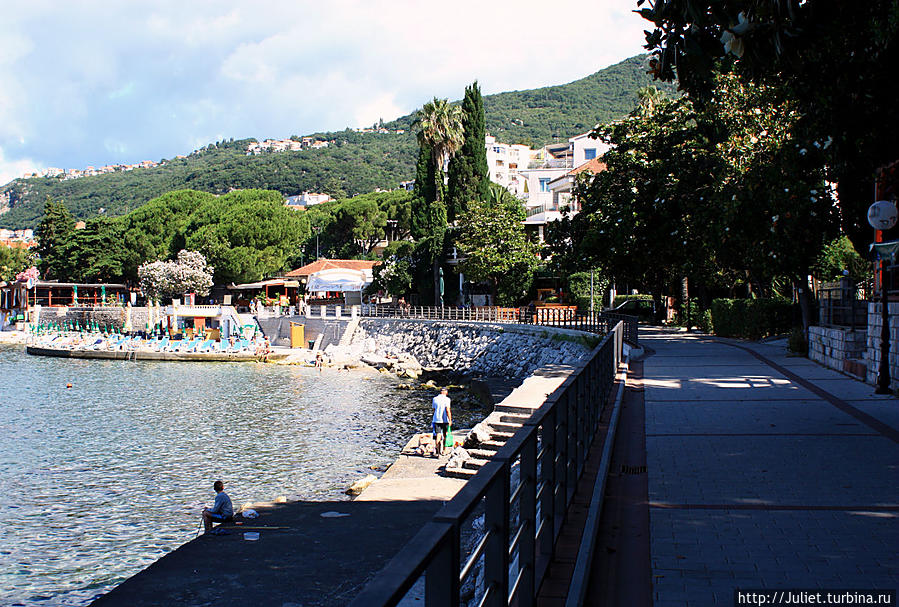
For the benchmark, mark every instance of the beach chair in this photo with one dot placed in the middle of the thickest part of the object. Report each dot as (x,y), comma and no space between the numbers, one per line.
(205,346)
(162,344)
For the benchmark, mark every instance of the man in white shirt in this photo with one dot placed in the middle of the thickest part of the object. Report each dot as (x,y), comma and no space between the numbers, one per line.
(443,417)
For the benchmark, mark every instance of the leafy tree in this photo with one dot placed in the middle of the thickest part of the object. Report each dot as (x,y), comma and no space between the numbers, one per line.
(439,127)
(469,176)
(835,59)
(97,252)
(188,274)
(53,235)
(14,260)
(395,274)
(748,193)
(156,230)
(839,256)
(496,250)
(246,235)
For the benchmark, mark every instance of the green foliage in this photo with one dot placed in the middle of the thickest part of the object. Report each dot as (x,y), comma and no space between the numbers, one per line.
(14,260)
(246,235)
(355,163)
(837,256)
(395,275)
(496,250)
(620,299)
(751,318)
(556,113)
(748,194)
(579,289)
(96,252)
(854,118)
(469,175)
(53,235)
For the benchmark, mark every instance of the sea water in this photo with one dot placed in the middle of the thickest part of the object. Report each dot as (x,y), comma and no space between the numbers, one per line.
(100,479)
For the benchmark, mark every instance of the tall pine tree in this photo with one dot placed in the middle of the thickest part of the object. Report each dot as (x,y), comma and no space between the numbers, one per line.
(54,234)
(469,176)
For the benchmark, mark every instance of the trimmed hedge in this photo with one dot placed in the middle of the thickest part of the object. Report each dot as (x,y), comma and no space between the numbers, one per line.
(620,299)
(579,290)
(751,318)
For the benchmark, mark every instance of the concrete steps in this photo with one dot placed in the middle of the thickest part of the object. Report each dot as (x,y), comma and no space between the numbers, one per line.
(516,409)
(474,464)
(463,473)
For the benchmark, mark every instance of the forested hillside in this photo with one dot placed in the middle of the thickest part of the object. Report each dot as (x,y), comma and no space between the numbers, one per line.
(355,163)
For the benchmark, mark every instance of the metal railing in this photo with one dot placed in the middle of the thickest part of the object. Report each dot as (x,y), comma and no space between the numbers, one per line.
(523,495)
(563,317)
(842,304)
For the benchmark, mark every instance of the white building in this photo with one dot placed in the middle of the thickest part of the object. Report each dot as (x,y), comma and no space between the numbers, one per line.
(543,179)
(504,162)
(306,199)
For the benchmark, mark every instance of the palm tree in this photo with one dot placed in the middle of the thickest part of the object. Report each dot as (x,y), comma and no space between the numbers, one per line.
(439,125)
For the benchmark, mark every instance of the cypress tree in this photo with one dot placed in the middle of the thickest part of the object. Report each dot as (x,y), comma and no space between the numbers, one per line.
(469,176)
(423,194)
(54,234)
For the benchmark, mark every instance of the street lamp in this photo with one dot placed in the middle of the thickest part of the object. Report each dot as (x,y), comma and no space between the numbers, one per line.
(882,216)
(317,230)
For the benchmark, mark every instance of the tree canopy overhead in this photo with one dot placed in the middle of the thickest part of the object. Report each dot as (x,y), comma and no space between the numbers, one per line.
(835,59)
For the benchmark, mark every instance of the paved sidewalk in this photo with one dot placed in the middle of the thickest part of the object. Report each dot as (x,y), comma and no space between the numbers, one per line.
(762,476)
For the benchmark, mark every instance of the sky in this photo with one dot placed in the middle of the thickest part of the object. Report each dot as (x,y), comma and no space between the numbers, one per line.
(91,83)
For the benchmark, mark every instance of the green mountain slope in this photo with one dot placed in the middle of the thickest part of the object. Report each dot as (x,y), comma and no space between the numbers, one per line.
(355,163)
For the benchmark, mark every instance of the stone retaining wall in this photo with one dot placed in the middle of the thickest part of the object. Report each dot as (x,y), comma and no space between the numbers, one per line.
(873,342)
(514,351)
(833,346)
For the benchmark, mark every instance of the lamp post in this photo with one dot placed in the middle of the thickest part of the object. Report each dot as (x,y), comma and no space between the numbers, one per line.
(317,230)
(882,216)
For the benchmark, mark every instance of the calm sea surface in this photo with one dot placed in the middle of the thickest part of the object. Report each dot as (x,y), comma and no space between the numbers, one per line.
(99,480)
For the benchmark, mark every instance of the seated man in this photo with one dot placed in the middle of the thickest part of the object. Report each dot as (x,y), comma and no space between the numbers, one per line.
(221,512)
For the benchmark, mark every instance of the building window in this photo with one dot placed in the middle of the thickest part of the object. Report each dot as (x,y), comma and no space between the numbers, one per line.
(544,184)
(589,153)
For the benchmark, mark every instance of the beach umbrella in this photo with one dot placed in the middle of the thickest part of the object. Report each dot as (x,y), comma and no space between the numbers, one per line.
(103,293)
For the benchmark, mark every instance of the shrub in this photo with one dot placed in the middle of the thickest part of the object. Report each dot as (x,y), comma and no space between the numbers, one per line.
(579,290)
(797,342)
(751,318)
(620,299)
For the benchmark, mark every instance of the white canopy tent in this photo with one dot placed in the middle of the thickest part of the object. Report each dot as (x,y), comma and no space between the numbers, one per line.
(342,280)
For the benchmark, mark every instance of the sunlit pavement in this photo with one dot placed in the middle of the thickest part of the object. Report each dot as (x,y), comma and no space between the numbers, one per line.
(765,478)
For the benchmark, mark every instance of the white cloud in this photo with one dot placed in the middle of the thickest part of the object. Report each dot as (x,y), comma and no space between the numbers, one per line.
(86,83)
(12,169)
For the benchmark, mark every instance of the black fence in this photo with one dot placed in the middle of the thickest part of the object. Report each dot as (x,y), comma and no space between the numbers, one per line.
(492,543)
(843,304)
(557,317)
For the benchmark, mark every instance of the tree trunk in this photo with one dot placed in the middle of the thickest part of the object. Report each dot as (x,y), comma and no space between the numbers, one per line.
(805,302)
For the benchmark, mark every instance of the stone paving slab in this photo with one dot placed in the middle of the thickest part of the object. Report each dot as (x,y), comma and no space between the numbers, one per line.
(780,470)
(752,417)
(300,558)
(736,386)
(700,557)
(886,411)
(756,481)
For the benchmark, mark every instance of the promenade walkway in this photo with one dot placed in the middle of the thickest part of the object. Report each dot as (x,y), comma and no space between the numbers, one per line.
(761,471)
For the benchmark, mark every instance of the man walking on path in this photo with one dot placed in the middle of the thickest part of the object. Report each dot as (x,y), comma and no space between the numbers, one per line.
(222,511)
(443,417)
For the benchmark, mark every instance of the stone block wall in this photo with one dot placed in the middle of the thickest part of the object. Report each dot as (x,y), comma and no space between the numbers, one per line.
(873,342)
(513,351)
(833,346)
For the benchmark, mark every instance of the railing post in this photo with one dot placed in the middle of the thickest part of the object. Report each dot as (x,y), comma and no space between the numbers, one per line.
(548,475)
(527,546)
(442,575)
(496,555)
